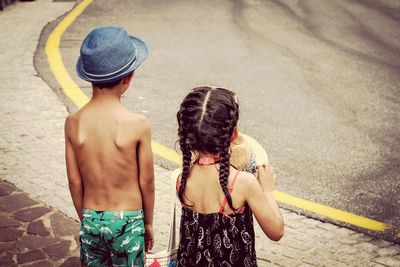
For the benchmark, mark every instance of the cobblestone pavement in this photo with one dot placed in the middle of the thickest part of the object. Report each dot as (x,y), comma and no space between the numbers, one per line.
(32,158)
(32,234)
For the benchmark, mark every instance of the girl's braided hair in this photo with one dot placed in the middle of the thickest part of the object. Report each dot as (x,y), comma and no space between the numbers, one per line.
(206,120)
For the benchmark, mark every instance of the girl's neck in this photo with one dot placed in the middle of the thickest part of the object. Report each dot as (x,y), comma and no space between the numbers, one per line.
(207,159)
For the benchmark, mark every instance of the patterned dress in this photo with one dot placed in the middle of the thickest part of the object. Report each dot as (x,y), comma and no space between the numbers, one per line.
(215,239)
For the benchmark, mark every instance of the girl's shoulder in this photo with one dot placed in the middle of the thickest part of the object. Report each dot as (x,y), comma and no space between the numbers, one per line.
(244,180)
(176,177)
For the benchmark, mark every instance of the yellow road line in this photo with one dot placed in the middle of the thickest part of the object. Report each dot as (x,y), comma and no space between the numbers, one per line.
(330,212)
(166,153)
(72,90)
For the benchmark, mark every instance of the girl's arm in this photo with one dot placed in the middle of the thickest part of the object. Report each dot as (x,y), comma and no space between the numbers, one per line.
(262,202)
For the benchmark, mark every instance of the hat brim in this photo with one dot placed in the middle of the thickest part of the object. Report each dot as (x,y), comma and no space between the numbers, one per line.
(142,54)
(257,149)
(245,150)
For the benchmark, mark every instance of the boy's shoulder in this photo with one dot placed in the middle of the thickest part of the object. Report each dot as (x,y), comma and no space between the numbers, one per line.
(73,119)
(134,119)
(70,121)
(132,116)
(133,126)
(124,116)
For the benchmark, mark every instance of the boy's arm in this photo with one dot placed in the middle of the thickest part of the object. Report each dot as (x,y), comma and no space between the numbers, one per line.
(74,177)
(146,178)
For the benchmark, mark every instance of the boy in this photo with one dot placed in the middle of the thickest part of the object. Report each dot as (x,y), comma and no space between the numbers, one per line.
(108,155)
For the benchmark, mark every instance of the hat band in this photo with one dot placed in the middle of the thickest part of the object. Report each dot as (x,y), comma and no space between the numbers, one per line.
(104,76)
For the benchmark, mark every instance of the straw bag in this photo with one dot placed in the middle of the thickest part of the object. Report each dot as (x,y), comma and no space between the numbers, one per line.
(167,258)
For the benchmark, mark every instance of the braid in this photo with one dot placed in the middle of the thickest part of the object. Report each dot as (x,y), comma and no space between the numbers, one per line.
(225,155)
(186,163)
(206,120)
(186,154)
(224,174)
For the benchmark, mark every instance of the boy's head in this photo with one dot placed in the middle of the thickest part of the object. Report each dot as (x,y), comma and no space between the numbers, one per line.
(109,85)
(109,54)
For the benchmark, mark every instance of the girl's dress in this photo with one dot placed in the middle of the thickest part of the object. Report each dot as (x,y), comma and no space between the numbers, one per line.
(215,239)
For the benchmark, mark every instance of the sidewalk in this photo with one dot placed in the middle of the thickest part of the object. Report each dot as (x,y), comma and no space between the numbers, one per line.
(32,234)
(32,158)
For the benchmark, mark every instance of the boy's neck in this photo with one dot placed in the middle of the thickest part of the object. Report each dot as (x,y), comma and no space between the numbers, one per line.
(109,95)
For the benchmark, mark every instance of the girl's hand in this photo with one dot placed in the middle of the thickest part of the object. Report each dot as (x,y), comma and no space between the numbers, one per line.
(148,238)
(266,177)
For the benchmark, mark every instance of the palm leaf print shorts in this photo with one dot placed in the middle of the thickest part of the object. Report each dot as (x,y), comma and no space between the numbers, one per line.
(112,238)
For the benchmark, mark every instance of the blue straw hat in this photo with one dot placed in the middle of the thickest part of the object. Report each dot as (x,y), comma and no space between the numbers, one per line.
(109,54)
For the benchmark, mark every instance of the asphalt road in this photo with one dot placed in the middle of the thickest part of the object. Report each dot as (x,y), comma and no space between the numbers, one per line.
(318,85)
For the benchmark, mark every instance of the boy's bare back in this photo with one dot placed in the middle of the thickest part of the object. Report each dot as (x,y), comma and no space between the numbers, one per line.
(106,141)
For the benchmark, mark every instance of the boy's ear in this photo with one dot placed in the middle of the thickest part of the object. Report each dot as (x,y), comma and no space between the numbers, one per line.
(234,134)
(127,80)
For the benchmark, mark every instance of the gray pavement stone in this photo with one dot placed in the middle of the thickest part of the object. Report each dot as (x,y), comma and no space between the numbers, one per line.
(368,247)
(9,234)
(380,243)
(15,202)
(8,247)
(362,237)
(343,257)
(38,228)
(29,215)
(315,260)
(71,262)
(6,189)
(347,249)
(58,250)
(7,221)
(61,225)
(44,263)
(348,241)
(389,250)
(35,241)
(388,261)
(30,256)
(7,260)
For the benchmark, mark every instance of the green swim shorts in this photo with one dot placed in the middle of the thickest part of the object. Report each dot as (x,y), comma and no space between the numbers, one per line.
(112,238)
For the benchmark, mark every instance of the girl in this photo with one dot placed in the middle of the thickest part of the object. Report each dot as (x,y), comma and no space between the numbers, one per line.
(217,200)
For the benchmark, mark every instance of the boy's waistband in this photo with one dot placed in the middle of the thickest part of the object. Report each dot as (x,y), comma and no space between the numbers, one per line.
(112,214)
